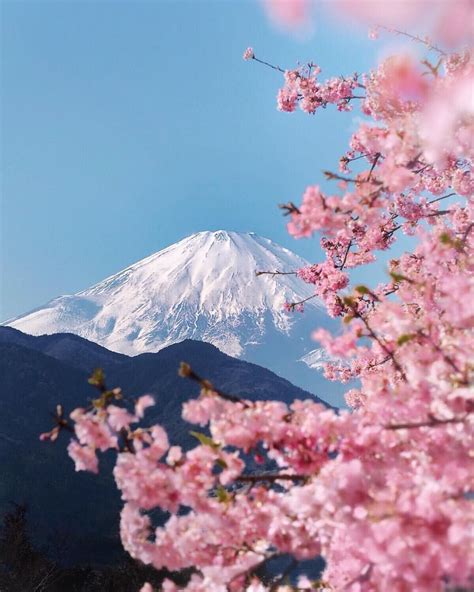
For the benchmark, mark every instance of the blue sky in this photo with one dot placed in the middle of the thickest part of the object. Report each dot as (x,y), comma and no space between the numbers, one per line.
(129,125)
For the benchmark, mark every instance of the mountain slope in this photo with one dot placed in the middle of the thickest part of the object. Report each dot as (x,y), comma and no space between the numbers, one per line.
(67,347)
(203,287)
(36,373)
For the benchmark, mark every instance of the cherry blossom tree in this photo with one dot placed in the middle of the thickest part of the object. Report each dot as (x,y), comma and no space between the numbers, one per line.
(382,492)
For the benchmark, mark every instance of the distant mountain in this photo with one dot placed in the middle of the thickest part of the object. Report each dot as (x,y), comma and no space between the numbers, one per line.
(77,509)
(203,288)
(65,347)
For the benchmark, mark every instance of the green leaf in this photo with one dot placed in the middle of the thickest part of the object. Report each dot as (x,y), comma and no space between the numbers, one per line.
(205,440)
(445,238)
(97,378)
(398,277)
(405,338)
(222,494)
(185,370)
(348,300)
(221,463)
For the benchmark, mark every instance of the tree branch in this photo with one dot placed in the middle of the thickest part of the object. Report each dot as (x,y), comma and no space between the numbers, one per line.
(431,422)
(271,477)
(414,38)
(374,164)
(268,65)
(257,273)
(294,304)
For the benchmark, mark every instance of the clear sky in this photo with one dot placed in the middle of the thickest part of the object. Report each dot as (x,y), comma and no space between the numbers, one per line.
(129,125)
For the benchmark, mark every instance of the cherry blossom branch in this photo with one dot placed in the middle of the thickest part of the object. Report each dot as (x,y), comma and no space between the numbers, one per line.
(374,164)
(268,64)
(438,213)
(349,302)
(289,208)
(467,231)
(258,273)
(295,304)
(303,436)
(431,422)
(389,233)
(330,176)
(381,363)
(348,248)
(442,197)
(61,424)
(416,38)
(433,69)
(347,160)
(256,478)
(348,98)
(446,358)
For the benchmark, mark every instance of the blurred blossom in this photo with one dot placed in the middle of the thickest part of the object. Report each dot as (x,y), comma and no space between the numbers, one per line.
(292,14)
(447,22)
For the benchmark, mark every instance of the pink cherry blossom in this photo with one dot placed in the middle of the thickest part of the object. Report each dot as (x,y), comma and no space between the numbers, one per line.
(382,492)
(84,457)
(142,404)
(119,418)
(288,13)
(92,430)
(248,54)
(373,34)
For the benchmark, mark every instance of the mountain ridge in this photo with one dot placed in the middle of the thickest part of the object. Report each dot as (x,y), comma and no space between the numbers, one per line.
(38,373)
(203,287)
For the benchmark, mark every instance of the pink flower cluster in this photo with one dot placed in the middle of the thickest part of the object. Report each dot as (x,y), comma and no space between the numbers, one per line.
(99,428)
(301,85)
(248,54)
(383,492)
(328,280)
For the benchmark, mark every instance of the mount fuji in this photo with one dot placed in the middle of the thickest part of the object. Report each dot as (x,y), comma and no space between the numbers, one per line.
(205,288)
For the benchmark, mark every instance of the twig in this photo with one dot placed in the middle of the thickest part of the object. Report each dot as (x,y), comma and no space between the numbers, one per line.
(348,160)
(467,231)
(270,477)
(381,363)
(345,255)
(438,213)
(440,198)
(335,176)
(289,208)
(257,273)
(374,164)
(431,422)
(414,38)
(268,65)
(374,336)
(294,304)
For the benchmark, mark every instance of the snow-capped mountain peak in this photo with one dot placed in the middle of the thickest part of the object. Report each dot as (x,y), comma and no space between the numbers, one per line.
(202,287)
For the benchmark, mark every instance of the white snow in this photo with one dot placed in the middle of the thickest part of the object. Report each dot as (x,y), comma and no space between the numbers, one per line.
(316,359)
(203,287)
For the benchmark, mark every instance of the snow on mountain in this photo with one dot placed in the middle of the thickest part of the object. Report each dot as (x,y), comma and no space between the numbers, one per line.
(203,287)
(316,359)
